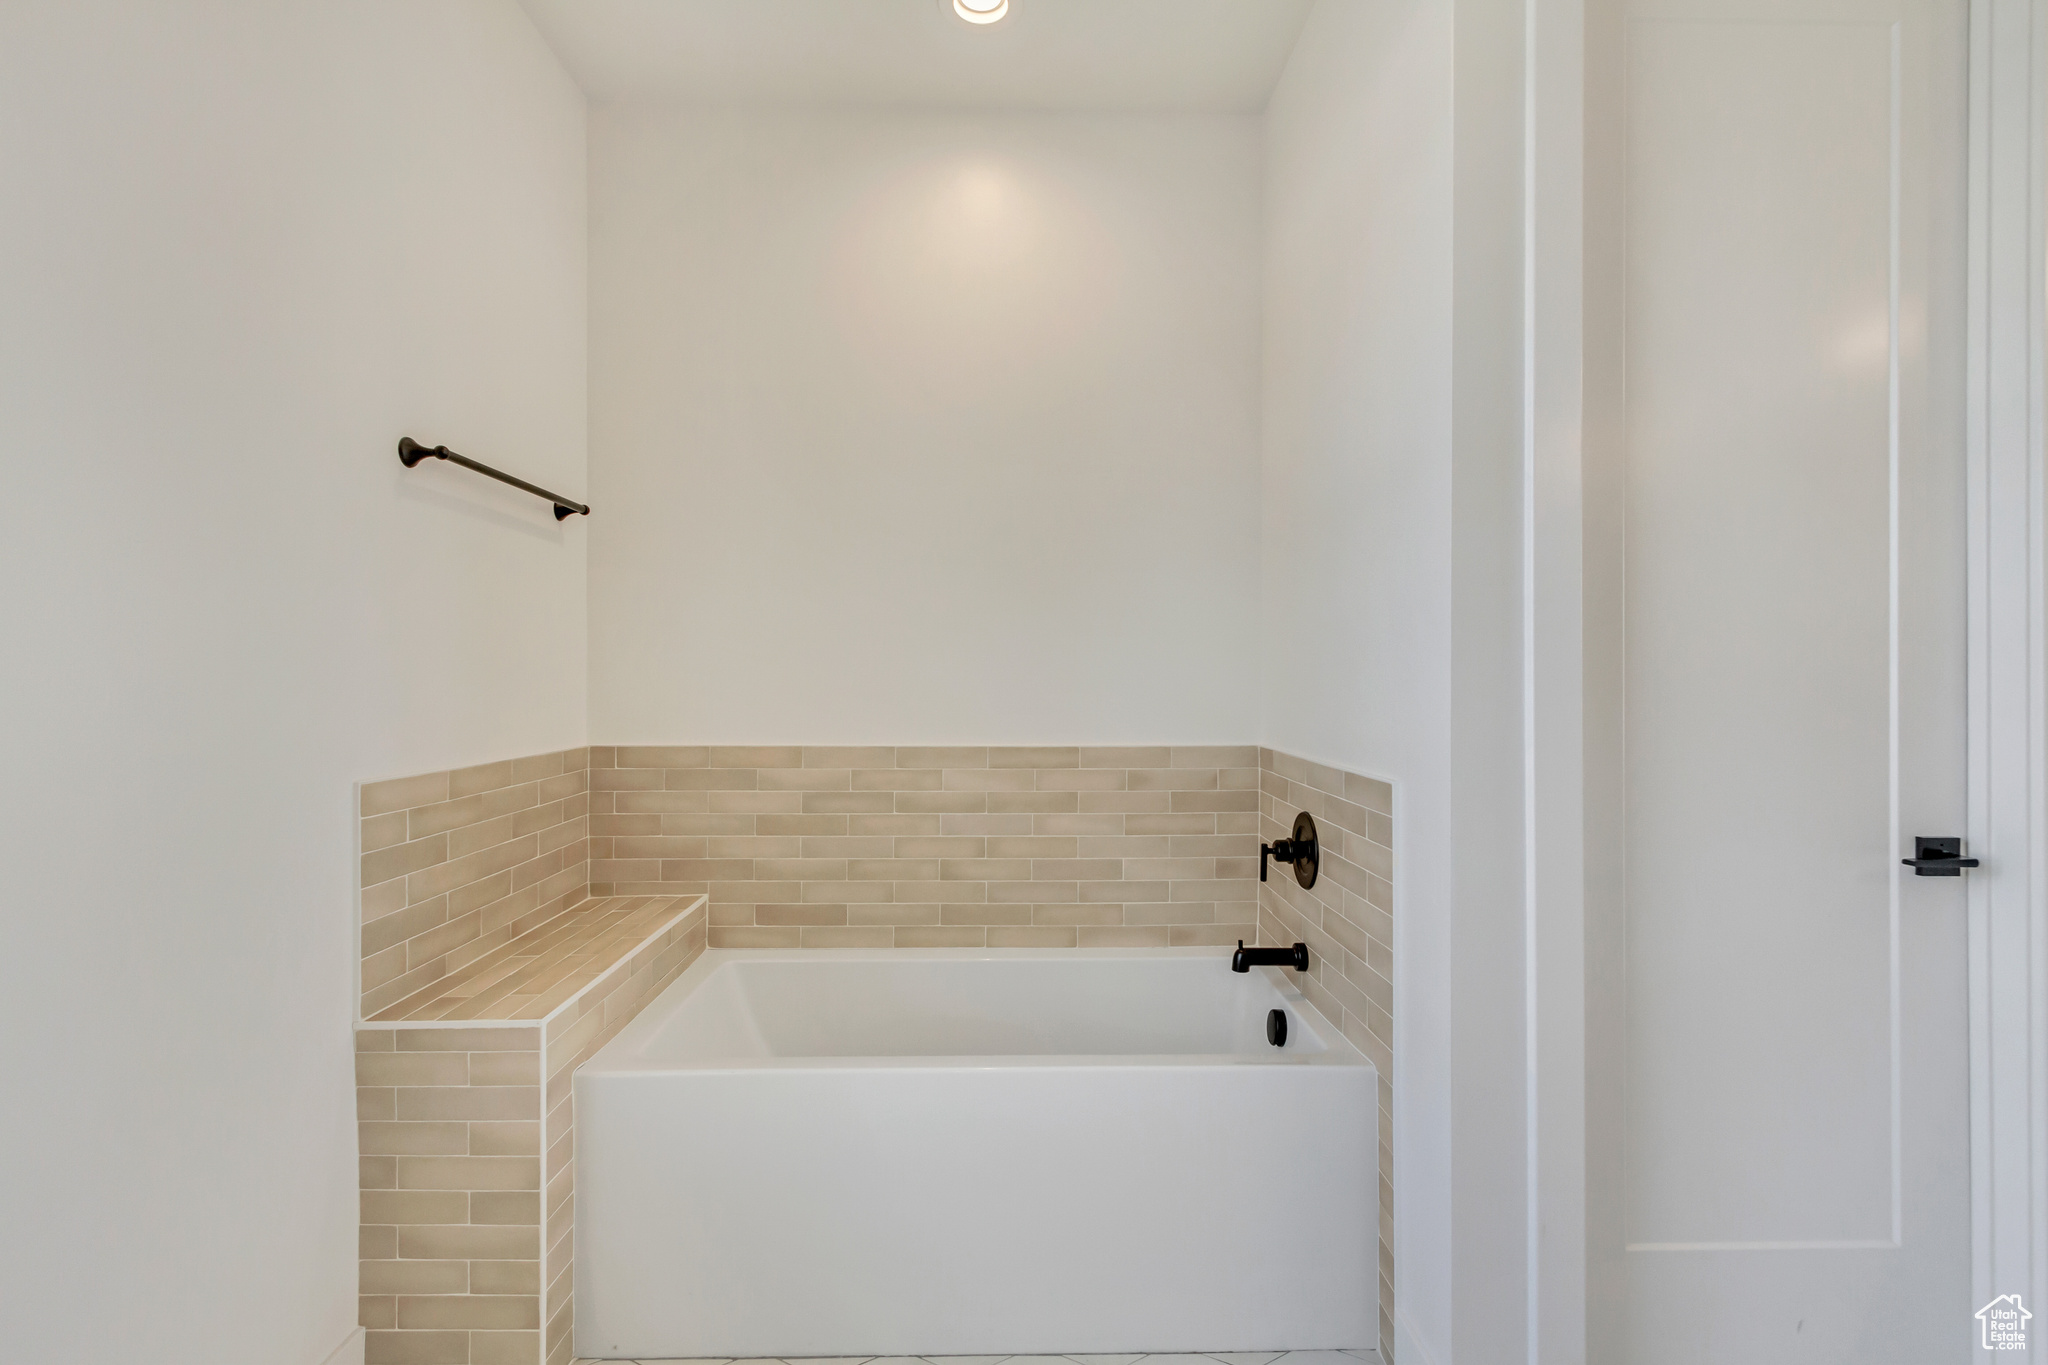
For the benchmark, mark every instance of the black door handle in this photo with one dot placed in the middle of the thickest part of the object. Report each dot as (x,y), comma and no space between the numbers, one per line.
(1938,858)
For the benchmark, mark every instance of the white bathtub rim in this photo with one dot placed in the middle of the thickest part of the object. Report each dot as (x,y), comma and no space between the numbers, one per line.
(1036,1061)
(621,1055)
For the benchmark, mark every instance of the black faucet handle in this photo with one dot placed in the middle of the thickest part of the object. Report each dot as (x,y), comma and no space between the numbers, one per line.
(1302,850)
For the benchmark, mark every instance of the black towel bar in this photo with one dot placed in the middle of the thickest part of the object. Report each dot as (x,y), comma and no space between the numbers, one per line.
(411,452)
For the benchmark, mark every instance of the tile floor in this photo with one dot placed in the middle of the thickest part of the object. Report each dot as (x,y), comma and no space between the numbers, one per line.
(1210,1358)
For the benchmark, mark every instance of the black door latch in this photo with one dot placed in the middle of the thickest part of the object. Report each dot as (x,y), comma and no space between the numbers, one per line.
(1938,858)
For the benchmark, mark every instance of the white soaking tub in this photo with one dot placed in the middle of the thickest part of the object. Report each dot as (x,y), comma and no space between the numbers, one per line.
(973,1152)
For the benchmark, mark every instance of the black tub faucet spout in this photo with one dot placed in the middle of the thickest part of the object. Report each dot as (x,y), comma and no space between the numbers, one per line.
(1244,959)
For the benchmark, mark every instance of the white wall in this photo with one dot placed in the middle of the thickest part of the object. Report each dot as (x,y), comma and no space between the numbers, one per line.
(1483,962)
(1357,481)
(244,246)
(923,428)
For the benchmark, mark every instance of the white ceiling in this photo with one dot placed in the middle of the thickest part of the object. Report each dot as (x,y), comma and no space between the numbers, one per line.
(1048,54)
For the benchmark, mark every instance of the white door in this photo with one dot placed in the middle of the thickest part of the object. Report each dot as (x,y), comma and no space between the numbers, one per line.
(1796,1131)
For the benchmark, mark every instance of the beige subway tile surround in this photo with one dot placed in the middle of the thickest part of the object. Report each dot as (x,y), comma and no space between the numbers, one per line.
(456,865)
(516,915)
(936,847)
(1347,920)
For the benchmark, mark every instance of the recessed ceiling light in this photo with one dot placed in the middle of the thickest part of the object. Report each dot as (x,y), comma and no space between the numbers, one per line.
(981,11)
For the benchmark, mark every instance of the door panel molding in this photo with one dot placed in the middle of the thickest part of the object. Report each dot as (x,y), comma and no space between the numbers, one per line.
(1677,63)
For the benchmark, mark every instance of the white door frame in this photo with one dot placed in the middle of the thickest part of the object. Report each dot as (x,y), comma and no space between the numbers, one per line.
(1554,821)
(2008,671)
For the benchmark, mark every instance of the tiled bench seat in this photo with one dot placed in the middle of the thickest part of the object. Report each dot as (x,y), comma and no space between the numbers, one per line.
(533,975)
(468,1131)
